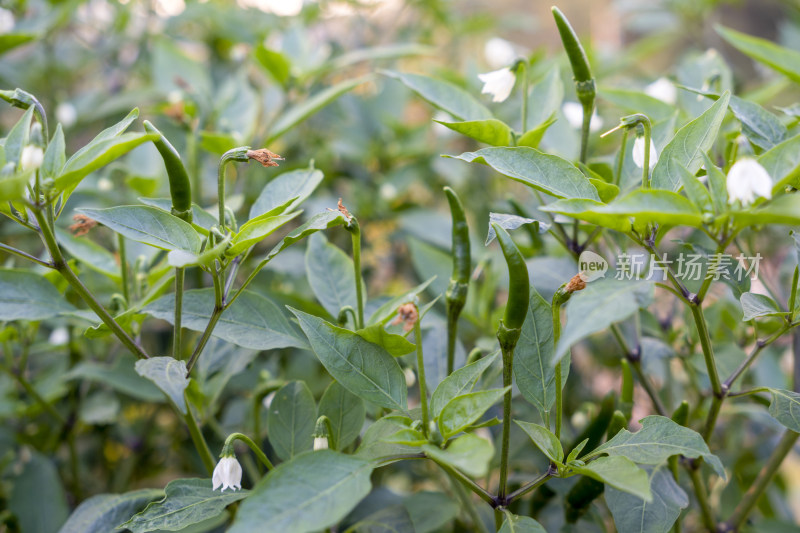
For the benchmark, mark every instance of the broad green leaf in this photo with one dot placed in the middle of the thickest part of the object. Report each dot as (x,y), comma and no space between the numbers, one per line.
(295,184)
(12,188)
(96,156)
(313,491)
(276,63)
(256,230)
(599,305)
(656,206)
(459,382)
(297,114)
(546,97)
(659,439)
(544,172)
(89,253)
(121,377)
(17,137)
(54,156)
(36,498)
(365,369)
(397,345)
(489,131)
(202,220)
(590,211)
(394,519)
(688,145)
(408,437)
(756,305)
(148,225)
(330,273)
(9,41)
(462,411)
(385,311)
(320,221)
(784,209)
(634,515)
(533,137)
(291,419)
(520,524)
(637,102)
(468,453)
(104,512)
(252,321)
(444,95)
(28,296)
(182,259)
(511,222)
(374,443)
(782,59)
(345,410)
(187,502)
(782,163)
(785,408)
(169,375)
(620,473)
(544,440)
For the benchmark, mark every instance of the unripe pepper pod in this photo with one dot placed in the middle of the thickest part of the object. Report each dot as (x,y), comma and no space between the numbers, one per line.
(518,281)
(462,264)
(584,82)
(618,422)
(180,187)
(681,414)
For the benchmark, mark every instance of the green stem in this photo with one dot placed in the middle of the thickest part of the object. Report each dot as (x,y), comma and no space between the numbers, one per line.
(219,307)
(635,361)
(588,109)
(621,158)
(646,169)
(528,487)
(253,446)
(706,513)
(466,482)
(221,194)
(711,367)
(423,391)
(24,255)
(463,496)
(508,365)
(199,440)
(525,83)
(25,384)
(123,268)
(176,332)
(355,232)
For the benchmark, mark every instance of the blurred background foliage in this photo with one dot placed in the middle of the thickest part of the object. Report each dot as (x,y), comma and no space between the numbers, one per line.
(217,74)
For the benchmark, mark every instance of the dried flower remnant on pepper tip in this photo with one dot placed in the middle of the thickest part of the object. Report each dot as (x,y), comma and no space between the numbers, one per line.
(407,315)
(575,284)
(265,157)
(82,225)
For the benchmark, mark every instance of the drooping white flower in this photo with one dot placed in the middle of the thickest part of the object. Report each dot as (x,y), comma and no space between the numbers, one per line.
(6,21)
(267,401)
(663,89)
(638,153)
(498,83)
(320,443)
(66,114)
(227,473)
(573,112)
(31,158)
(746,180)
(499,52)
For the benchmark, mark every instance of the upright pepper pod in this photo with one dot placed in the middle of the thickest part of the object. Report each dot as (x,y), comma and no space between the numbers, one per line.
(518,289)
(626,396)
(584,81)
(456,295)
(180,187)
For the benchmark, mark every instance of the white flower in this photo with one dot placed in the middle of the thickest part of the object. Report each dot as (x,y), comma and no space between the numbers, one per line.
(31,158)
(663,89)
(573,112)
(747,179)
(66,114)
(411,378)
(498,83)
(638,153)
(104,185)
(499,52)
(267,401)
(6,21)
(320,443)
(59,336)
(227,473)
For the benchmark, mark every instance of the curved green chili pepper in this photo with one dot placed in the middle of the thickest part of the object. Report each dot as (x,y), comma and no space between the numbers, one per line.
(618,422)
(577,57)
(518,282)
(180,187)
(456,295)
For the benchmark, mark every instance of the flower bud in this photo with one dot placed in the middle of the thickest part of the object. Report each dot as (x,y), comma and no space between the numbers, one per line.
(31,158)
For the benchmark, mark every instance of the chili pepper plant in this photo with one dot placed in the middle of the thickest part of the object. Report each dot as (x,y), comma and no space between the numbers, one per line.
(610,358)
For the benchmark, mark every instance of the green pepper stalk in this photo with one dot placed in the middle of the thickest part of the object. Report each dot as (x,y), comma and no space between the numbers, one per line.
(641,122)
(508,334)
(241,154)
(24,100)
(626,396)
(681,417)
(582,74)
(456,295)
(355,234)
(228,451)
(561,296)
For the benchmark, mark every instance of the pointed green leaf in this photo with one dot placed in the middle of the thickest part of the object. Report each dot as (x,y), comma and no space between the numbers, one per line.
(28,296)
(54,156)
(148,225)
(620,473)
(533,137)
(544,440)
(656,206)
(784,209)
(489,131)
(345,410)
(330,273)
(459,382)
(295,185)
(397,345)
(444,95)
(782,163)
(634,515)
(757,305)
(17,137)
(256,230)
(169,375)
(468,453)
(464,410)
(589,210)
(291,420)
(782,59)
(104,512)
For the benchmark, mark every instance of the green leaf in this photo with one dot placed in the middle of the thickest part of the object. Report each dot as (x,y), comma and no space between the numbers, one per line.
(13,188)
(408,437)
(365,369)
(782,163)
(782,59)
(148,225)
(462,411)
(619,473)
(607,191)
(599,305)
(330,273)
(489,131)
(296,184)
(544,440)
(187,502)
(9,41)
(695,191)
(717,187)
(121,377)
(169,375)
(277,64)
(305,109)
(468,453)
(255,230)
(252,321)
(313,491)
(202,220)
(784,209)
(320,221)
(182,259)
(634,515)
(394,519)
(397,345)
(17,137)
(291,420)
(28,296)
(521,524)
(104,512)
(785,408)
(546,97)
(757,305)
(656,206)
(54,156)
(385,311)
(688,145)
(444,95)
(659,439)
(374,443)
(637,102)
(589,210)
(544,172)
(345,410)
(431,511)
(533,137)
(459,382)
(37,499)
(89,253)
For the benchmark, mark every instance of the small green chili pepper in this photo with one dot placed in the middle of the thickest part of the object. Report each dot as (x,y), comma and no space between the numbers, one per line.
(584,81)
(456,295)
(597,427)
(180,186)
(518,282)
(618,422)
(626,396)
(580,498)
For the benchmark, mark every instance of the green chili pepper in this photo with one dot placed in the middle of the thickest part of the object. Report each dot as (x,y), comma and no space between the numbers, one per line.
(580,498)
(626,396)
(597,428)
(180,186)
(679,416)
(618,422)
(584,81)
(456,295)
(518,282)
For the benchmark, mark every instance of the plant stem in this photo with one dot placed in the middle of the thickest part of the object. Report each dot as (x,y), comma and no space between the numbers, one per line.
(176,331)
(355,233)
(588,109)
(556,311)
(646,169)
(199,441)
(525,83)
(711,366)
(466,482)
(219,307)
(253,446)
(754,353)
(123,268)
(463,496)
(24,255)
(528,487)
(221,194)
(423,391)
(621,157)
(702,498)
(60,264)
(634,358)
(508,365)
